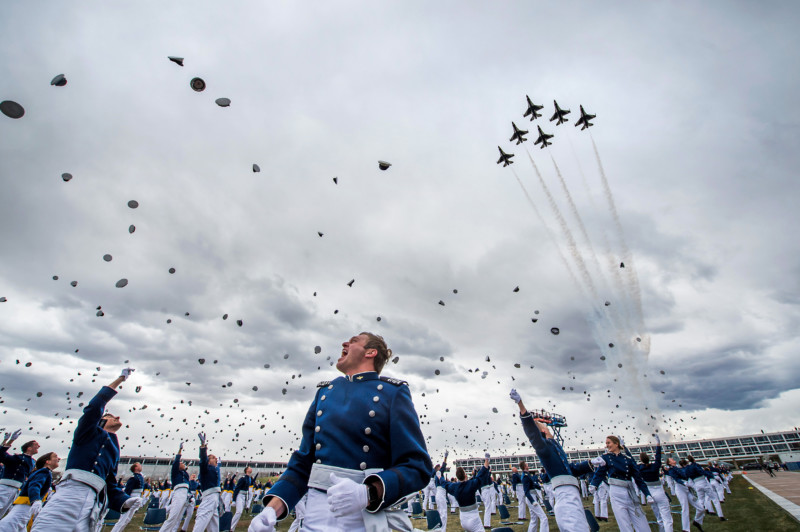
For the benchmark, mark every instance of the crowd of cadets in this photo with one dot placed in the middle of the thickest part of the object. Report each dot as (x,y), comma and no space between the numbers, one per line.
(352,483)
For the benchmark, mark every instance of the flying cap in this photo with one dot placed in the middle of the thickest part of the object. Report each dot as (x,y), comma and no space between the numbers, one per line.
(59,81)
(12,109)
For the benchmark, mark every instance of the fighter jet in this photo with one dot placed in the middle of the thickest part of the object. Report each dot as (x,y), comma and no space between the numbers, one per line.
(505,158)
(584,119)
(559,114)
(518,134)
(543,138)
(532,108)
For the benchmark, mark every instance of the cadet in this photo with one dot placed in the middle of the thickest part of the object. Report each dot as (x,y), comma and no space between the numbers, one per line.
(705,492)
(651,475)
(29,503)
(568,506)
(180,494)
(531,500)
(16,470)
(620,470)
(207,518)
(89,482)
(516,487)
(362,449)
(464,492)
(240,494)
(441,494)
(133,488)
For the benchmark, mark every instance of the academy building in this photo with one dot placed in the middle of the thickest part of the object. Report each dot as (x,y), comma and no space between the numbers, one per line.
(160,468)
(783,447)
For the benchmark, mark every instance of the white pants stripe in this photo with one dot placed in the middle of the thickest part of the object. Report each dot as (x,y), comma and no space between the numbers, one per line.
(707,497)
(123,521)
(521,505)
(601,501)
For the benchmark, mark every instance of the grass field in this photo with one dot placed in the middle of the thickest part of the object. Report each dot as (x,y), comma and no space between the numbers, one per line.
(747,510)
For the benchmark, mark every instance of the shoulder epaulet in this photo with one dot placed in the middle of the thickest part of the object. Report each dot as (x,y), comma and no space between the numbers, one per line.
(323,384)
(390,380)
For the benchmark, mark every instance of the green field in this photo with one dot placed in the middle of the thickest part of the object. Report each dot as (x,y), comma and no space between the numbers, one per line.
(747,510)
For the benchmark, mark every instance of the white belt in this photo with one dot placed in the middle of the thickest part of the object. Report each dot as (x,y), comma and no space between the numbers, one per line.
(209,491)
(469,508)
(179,486)
(619,482)
(8,482)
(653,484)
(564,480)
(85,477)
(136,493)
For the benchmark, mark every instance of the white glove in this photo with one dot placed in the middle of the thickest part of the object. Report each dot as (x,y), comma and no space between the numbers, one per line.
(446,452)
(36,507)
(126,373)
(264,522)
(346,497)
(6,437)
(515,396)
(649,499)
(622,442)
(202,436)
(592,489)
(133,503)
(15,435)
(597,461)
(180,448)
(487,456)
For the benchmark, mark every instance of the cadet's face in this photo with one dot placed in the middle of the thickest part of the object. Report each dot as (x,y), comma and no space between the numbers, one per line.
(182,466)
(611,446)
(35,447)
(212,460)
(137,468)
(112,423)
(352,353)
(53,462)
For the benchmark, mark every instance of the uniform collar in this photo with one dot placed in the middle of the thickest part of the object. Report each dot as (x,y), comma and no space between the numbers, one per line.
(365,376)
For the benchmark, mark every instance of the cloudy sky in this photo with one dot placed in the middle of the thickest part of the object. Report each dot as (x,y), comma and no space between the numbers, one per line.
(696,134)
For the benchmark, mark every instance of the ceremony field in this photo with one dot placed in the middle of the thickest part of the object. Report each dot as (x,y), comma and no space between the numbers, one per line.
(747,510)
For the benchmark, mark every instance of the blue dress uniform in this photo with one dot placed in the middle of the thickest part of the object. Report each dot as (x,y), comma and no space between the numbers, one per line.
(464,493)
(34,489)
(135,484)
(16,469)
(207,517)
(620,471)
(651,474)
(240,493)
(92,462)
(180,496)
(362,426)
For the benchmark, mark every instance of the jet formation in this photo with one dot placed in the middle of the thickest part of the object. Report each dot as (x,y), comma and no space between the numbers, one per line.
(559,116)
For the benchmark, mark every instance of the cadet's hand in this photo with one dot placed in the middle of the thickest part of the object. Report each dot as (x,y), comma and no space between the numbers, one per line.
(202,436)
(487,456)
(36,507)
(658,440)
(592,489)
(515,396)
(649,500)
(180,448)
(15,435)
(264,522)
(597,461)
(126,373)
(446,452)
(346,497)
(6,437)
(621,442)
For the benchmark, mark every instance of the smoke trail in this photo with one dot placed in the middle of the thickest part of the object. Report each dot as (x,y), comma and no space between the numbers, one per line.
(573,248)
(548,231)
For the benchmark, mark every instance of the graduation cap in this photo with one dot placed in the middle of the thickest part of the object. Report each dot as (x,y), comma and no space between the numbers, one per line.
(516,289)
(107,257)
(255,388)
(74,283)
(437,372)
(55,277)
(383,165)
(335,180)
(66,177)
(122,283)
(395,360)
(3,299)
(201,361)
(100,314)
(131,229)
(610,345)
(59,81)
(133,204)
(171,270)
(177,60)
(602,357)
(239,323)
(222,102)
(224,316)
(378,318)
(555,330)
(621,264)
(317,350)
(256,168)
(197,84)
(441,302)
(38,394)
(12,109)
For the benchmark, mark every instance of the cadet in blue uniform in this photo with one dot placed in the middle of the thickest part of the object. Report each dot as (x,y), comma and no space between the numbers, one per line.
(16,469)
(362,449)
(133,488)
(538,515)
(33,491)
(684,496)
(620,470)
(89,482)
(240,493)
(516,487)
(439,480)
(191,504)
(207,518)
(464,492)
(180,494)
(568,506)
(705,494)
(651,474)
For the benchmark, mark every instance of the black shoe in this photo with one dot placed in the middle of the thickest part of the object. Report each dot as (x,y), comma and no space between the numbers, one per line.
(723,518)
(697,525)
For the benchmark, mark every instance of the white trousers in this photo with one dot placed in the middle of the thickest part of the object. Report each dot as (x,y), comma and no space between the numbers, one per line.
(538,515)
(661,508)
(717,485)
(453,503)
(7,496)
(471,520)
(548,490)
(189,513)
(68,509)
(299,514)
(441,506)
(164,499)
(240,504)
(16,519)
(487,496)
(707,497)
(601,501)
(521,505)
(318,517)
(123,521)
(207,518)
(177,505)
(568,508)
(226,497)
(626,514)
(687,500)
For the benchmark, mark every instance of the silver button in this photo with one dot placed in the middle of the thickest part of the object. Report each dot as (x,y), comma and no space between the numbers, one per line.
(319,446)
(319,413)
(366,448)
(322,398)
(371,413)
(376,399)
(319,461)
(330,387)
(363,465)
(367,430)
(316,429)
(380,386)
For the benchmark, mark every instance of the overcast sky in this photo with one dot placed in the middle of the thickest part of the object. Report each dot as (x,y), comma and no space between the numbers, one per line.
(696,131)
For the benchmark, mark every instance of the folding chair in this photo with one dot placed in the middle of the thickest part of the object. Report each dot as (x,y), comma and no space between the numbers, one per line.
(416,510)
(257,509)
(504,515)
(154,518)
(225,521)
(593,525)
(434,519)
